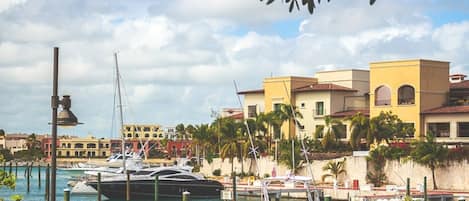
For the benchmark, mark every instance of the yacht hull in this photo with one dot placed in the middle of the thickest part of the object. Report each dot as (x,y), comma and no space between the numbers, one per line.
(145,189)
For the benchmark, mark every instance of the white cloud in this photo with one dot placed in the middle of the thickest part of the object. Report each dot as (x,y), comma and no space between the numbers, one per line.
(179,59)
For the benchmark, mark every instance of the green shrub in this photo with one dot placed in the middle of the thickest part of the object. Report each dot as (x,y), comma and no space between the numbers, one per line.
(216,172)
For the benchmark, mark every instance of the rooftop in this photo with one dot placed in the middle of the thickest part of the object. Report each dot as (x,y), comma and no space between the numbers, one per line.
(460,85)
(448,110)
(323,87)
(255,91)
(349,113)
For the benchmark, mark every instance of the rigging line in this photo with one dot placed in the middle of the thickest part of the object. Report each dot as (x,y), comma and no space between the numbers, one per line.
(113,106)
(264,187)
(296,126)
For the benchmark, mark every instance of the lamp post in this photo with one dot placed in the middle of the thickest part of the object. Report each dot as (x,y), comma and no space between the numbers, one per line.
(64,118)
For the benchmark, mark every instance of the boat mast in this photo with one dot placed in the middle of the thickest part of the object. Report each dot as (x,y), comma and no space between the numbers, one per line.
(121,113)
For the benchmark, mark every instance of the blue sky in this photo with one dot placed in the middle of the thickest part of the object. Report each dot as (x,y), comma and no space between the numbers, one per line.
(178,58)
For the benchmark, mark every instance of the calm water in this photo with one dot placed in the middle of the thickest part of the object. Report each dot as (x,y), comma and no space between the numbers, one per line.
(37,194)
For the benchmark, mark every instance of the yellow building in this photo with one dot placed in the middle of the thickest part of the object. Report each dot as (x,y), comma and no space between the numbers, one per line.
(407,88)
(314,97)
(88,147)
(143,131)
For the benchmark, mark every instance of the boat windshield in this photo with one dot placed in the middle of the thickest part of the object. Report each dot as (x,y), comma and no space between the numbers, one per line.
(164,172)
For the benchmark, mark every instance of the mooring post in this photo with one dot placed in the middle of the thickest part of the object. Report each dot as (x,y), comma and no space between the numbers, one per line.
(39,175)
(127,189)
(16,169)
(47,182)
(156,187)
(27,178)
(186,196)
(425,188)
(407,193)
(66,194)
(10,170)
(99,186)
(234,187)
(4,165)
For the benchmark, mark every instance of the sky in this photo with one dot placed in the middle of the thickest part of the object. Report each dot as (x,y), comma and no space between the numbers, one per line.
(178,59)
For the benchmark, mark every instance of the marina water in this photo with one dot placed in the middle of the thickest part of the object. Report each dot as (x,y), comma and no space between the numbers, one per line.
(37,194)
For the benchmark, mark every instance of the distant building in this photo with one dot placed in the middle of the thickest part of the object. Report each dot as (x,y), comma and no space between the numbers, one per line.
(328,93)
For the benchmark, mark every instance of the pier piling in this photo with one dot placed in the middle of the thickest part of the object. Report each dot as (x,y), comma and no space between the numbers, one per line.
(234,187)
(425,198)
(46,194)
(127,189)
(66,194)
(156,187)
(407,192)
(27,178)
(10,169)
(99,186)
(186,196)
(16,169)
(39,175)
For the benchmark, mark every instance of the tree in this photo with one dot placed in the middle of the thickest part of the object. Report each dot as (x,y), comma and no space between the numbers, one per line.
(2,132)
(231,132)
(359,129)
(6,180)
(180,131)
(201,139)
(430,154)
(309,3)
(387,126)
(285,154)
(335,169)
(290,113)
(331,132)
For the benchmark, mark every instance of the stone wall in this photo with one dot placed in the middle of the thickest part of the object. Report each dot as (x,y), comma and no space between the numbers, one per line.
(455,176)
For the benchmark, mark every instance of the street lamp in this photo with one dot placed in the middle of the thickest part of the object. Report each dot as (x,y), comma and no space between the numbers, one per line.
(64,118)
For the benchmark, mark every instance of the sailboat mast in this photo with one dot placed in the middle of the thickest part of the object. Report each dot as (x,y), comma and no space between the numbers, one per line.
(121,113)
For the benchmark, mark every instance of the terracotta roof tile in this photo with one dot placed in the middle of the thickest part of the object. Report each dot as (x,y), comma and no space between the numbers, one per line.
(448,110)
(237,116)
(255,91)
(460,85)
(349,113)
(323,87)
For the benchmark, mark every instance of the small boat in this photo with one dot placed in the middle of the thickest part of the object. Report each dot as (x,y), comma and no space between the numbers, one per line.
(173,181)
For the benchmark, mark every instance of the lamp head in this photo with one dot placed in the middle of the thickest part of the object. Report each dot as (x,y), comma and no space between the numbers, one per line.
(66,118)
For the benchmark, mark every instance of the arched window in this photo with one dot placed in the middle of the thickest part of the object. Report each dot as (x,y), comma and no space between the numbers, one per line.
(382,96)
(406,95)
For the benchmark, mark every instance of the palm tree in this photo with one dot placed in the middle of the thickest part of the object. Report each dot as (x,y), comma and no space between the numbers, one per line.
(331,132)
(201,138)
(289,113)
(2,132)
(230,131)
(359,129)
(285,154)
(335,168)
(180,130)
(429,153)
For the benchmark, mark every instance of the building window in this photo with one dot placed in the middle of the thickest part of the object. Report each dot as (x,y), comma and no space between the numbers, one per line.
(91,145)
(147,135)
(161,135)
(382,96)
(146,129)
(409,129)
(107,145)
(439,129)
(319,108)
(252,111)
(69,145)
(68,153)
(277,106)
(129,135)
(463,129)
(128,128)
(79,145)
(302,105)
(340,131)
(319,132)
(406,95)
(155,135)
(104,153)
